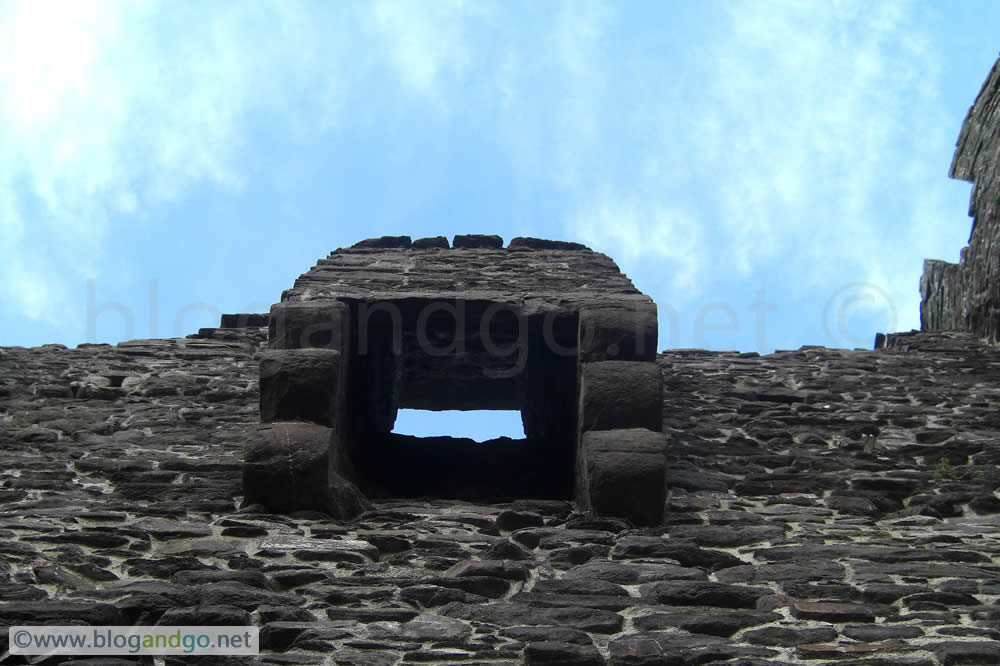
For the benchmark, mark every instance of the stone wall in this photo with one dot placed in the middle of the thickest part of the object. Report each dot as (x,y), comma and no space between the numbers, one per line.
(966,296)
(825,506)
(812,519)
(549,328)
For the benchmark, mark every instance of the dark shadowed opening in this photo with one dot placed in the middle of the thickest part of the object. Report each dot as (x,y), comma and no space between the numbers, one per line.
(404,359)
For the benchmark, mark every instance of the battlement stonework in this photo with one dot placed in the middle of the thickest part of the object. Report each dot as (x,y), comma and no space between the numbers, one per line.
(548,328)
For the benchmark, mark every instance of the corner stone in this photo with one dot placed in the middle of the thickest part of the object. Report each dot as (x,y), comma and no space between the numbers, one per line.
(618,332)
(286,470)
(299,384)
(624,474)
(620,394)
(308,324)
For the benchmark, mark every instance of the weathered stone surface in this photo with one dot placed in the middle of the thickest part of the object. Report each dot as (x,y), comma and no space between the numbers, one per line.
(477,327)
(701,593)
(685,552)
(383,242)
(299,384)
(966,296)
(509,521)
(660,648)
(490,568)
(951,653)
(713,622)
(287,469)
(541,634)
(528,243)
(243,320)
(312,549)
(827,505)
(551,653)
(508,614)
(210,616)
(618,332)
(349,571)
(719,536)
(431,242)
(302,325)
(829,611)
(475,241)
(623,473)
(57,612)
(620,394)
(873,633)
(826,571)
(786,637)
(629,574)
(241,595)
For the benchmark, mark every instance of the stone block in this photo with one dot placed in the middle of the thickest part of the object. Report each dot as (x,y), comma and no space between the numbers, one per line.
(243,321)
(620,394)
(383,243)
(529,243)
(300,384)
(474,241)
(309,324)
(286,469)
(618,332)
(439,242)
(622,473)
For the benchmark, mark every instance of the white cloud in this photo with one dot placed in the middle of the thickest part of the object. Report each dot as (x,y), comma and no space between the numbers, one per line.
(112,109)
(820,95)
(787,153)
(775,141)
(109,108)
(425,41)
(632,230)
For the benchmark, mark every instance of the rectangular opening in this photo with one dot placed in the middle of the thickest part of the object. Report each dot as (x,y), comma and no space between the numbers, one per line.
(478,425)
(441,406)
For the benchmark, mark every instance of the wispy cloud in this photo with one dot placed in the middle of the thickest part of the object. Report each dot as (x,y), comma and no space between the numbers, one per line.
(838,95)
(426,43)
(110,108)
(785,152)
(633,229)
(758,138)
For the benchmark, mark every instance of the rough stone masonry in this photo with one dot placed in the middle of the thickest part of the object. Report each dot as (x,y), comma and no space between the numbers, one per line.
(825,506)
(966,296)
(549,328)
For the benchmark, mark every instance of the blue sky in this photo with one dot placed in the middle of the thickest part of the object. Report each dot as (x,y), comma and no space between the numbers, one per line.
(772,173)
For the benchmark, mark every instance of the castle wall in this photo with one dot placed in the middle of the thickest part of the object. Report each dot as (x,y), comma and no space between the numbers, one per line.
(966,296)
(811,516)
